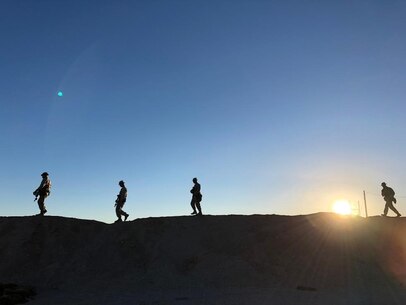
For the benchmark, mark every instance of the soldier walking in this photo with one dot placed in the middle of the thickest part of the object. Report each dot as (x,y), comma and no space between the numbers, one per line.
(43,192)
(121,199)
(196,198)
(388,195)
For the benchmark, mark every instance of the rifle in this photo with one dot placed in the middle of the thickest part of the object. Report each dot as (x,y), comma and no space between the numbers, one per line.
(35,193)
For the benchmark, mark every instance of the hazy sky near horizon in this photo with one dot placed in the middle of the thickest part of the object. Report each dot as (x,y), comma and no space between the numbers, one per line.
(276,106)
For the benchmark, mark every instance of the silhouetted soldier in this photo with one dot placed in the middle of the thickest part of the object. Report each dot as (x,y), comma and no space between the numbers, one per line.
(196,198)
(43,192)
(388,195)
(121,199)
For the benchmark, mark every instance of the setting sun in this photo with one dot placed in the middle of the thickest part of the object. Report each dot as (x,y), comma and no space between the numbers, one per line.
(342,207)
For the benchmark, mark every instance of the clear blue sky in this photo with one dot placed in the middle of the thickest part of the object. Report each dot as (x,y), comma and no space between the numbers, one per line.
(276,106)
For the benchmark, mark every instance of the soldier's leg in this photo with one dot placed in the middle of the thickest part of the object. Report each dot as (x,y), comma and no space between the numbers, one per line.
(124,214)
(199,208)
(118,211)
(385,211)
(193,205)
(41,204)
(393,208)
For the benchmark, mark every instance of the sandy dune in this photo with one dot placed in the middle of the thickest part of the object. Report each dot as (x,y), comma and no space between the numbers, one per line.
(259,259)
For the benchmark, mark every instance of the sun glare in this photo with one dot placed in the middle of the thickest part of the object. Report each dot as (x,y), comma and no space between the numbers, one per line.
(342,207)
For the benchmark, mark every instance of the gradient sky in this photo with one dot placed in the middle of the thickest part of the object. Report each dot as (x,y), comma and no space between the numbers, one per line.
(276,106)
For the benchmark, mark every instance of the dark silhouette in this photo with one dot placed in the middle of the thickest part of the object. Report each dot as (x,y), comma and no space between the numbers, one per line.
(16,294)
(43,192)
(388,195)
(196,198)
(121,199)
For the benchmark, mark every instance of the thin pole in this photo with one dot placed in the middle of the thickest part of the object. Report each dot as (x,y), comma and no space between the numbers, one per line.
(365,202)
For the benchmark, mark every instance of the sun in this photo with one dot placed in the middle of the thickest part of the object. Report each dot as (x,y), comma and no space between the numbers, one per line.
(342,207)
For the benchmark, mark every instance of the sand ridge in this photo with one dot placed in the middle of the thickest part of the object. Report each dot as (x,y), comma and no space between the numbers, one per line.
(311,259)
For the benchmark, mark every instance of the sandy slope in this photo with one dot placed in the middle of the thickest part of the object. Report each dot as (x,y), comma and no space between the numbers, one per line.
(259,259)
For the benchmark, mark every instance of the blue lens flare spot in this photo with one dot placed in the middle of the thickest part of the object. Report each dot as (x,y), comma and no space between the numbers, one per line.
(60,93)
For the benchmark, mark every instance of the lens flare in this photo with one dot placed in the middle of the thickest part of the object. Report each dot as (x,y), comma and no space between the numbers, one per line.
(60,93)
(342,207)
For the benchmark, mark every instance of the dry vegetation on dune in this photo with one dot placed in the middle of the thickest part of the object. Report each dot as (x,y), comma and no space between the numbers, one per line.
(311,259)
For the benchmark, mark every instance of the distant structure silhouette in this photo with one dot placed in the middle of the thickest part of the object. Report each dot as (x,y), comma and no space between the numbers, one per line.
(43,192)
(121,199)
(196,198)
(388,195)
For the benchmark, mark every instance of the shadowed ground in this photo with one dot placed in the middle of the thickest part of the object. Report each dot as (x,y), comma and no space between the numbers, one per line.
(259,259)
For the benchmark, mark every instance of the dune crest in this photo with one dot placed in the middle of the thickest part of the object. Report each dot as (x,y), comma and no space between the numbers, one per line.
(257,258)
